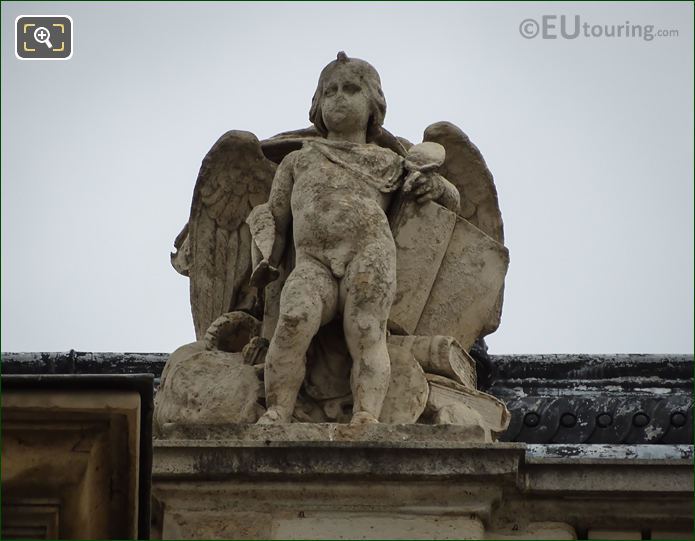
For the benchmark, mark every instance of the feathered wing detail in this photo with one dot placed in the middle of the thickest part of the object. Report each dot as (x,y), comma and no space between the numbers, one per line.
(214,248)
(465,168)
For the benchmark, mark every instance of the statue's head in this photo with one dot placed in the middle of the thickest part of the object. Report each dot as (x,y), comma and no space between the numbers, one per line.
(363,78)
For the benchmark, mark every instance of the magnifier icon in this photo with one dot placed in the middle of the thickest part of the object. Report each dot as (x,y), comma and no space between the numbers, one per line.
(42,35)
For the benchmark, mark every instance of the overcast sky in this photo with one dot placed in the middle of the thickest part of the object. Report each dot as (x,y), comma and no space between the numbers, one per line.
(590,141)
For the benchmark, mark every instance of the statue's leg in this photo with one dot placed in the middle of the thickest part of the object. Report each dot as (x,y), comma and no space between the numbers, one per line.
(307,301)
(369,287)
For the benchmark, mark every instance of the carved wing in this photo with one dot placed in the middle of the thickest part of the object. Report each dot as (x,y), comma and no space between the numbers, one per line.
(214,248)
(465,168)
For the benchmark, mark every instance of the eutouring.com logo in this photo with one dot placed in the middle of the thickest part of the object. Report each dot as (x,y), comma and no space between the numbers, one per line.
(572,27)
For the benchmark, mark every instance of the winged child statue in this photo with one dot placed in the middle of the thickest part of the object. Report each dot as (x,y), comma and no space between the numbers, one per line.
(331,261)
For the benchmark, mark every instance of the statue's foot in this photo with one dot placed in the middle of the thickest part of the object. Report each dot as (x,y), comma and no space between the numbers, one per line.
(273,416)
(363,418)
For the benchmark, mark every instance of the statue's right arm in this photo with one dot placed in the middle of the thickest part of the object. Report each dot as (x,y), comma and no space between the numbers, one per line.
(280,206)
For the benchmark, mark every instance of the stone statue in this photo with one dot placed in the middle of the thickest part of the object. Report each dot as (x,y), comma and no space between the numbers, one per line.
(347,268)
(336,192)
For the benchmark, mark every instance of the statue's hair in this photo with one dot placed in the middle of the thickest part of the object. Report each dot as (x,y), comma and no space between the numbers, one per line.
(370,79)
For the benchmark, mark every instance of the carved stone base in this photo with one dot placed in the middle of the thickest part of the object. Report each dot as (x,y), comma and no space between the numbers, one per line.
(330,489)
(270,486)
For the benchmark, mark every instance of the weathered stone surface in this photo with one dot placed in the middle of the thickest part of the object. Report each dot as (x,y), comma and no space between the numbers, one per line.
(307,510)
(392,526)
(334,193)
(597,398)
(186,524)
(407,394)
(214,248)
(452,403)
(662,468)
(615,534)
(593,453)
(465,167)
(328,364)
(208,387)
(231,332)
(320,433)
(323,251)
(450,275)
(70,463)
(685,535)
(268,487)
(464,296)
(421,234)
(441,355)
(535,530)
(275,466)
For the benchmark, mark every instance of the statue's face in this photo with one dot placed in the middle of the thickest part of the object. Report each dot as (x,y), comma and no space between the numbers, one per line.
(345,103)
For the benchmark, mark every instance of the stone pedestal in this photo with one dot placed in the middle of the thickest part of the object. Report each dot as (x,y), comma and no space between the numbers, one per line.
(331,481)
(314,481)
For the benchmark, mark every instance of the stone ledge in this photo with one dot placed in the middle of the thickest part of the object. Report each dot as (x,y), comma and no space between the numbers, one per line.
(441,489)
(298,449)
(594,453)
(609,469)
(318,433)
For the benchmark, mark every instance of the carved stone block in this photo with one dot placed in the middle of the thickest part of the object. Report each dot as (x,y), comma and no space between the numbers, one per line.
(70,465)
(441,355)
(449,274)
(421,234)
(452,403)
(463,299)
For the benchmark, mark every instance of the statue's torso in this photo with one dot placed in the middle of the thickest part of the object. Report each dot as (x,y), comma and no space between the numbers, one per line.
(339,208)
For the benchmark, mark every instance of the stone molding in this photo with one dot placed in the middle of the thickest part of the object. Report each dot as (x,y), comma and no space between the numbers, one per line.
(436,489)
(77,454)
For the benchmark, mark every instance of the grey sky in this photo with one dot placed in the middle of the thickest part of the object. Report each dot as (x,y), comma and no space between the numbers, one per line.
(590,141)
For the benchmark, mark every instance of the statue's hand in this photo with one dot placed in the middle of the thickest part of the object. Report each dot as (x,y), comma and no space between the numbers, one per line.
(424,186)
